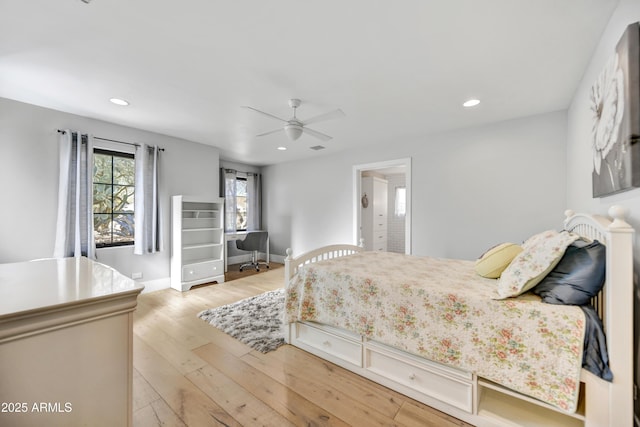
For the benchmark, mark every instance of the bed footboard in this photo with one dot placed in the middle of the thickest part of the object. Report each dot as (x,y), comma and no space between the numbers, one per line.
(291,264)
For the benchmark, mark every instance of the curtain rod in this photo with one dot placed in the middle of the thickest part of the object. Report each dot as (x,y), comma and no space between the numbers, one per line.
(237,171)
(112,140)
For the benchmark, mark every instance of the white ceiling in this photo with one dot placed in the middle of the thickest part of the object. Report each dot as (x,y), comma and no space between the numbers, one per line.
(398,69)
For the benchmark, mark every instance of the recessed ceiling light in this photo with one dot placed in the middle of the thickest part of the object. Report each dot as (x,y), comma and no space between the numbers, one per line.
(471,103)
(119,101)
(282,148)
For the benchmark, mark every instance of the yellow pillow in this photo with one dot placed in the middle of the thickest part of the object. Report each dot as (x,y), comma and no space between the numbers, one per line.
(493,262)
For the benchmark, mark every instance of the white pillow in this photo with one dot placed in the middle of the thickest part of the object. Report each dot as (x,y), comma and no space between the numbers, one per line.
(540,254)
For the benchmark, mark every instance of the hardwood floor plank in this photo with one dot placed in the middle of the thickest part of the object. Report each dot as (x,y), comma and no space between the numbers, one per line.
(218,337)
(236,400)
(143,393)
(157,414)
(181,358)
(413,414)
(189,403)
(379,398)
(326,396)
(285,401)
(233,273)
(186,334)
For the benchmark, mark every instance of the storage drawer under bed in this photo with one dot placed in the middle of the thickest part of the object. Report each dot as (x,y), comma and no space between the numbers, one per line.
(449,385)
(332,342)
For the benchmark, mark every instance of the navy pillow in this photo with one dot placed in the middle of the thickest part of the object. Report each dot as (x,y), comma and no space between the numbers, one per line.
(578,276)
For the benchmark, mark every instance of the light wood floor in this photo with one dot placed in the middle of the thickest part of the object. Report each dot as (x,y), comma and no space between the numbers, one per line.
(188,373)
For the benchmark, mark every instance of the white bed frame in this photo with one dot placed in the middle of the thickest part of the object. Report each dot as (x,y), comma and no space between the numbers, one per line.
(474,399)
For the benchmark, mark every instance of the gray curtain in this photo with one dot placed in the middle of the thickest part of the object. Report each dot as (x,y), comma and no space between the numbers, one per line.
(148,236)
(230,177)
(254,201)
(74,229)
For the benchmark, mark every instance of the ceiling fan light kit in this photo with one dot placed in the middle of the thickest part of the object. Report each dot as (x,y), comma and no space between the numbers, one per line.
(293,131)
(294,128)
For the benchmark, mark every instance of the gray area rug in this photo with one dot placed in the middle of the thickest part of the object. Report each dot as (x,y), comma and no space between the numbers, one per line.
(255,321)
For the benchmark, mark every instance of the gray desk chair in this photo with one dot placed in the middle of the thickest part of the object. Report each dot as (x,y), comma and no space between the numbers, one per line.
(254,242)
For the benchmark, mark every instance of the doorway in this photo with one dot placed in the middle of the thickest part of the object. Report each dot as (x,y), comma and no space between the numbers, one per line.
(395,176)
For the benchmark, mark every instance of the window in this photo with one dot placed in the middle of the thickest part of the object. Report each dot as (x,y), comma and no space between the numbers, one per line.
(241,204)
(401,202)
(113,198)
(242,200)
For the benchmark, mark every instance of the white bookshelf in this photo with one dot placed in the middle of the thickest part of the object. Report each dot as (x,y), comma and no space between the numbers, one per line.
(197,241)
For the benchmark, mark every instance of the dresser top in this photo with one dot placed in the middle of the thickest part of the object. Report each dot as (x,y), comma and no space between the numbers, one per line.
(43,284)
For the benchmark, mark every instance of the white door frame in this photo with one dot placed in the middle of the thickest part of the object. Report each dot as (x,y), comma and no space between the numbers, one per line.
(357,177)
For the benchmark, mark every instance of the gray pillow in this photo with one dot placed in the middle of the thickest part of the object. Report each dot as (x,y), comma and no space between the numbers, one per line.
(579,275)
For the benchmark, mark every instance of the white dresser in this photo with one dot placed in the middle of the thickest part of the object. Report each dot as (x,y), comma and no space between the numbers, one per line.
(374,216)
(66,343)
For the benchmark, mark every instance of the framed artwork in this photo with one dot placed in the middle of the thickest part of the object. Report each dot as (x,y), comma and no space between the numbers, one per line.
(615,105)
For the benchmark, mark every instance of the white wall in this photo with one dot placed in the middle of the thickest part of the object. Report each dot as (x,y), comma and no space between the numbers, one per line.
(472,188)
(29,177)
(579,154)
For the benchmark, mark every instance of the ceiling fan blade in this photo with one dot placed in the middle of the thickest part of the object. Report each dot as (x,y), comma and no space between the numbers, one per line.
(271,131)
(317,134)
(326,116)
(263,113)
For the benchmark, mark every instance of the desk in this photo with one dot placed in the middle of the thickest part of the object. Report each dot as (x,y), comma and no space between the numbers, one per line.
(239,235)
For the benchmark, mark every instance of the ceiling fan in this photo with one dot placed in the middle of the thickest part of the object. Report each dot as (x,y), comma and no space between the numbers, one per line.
(294,127)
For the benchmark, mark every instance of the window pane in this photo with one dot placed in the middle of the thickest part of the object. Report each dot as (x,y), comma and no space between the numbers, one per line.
(102,168)
(122,198)
(241,187)
(101,198)
(102,229)
(241,213)
(122,228)
(229,187)
(241,204)
(401,201)
(123,170)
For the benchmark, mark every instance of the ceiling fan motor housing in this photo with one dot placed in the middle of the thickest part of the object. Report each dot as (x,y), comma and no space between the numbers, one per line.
(294,103)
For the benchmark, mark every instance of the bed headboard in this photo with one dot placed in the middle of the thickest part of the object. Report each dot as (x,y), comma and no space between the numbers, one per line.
(615,302)
(614,233)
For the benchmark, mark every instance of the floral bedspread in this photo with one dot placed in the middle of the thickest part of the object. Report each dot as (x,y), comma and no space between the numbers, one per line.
(442,310)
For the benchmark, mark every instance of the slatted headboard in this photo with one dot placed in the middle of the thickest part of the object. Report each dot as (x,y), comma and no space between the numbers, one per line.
(614,304)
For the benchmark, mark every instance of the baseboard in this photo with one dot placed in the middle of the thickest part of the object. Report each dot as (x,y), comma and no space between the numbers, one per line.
(241,259)
(165,283)
(156,285)
(276,258)
(238,259)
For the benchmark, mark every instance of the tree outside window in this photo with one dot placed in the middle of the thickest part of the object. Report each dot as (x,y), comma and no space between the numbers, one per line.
(241,204)
(113,198)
